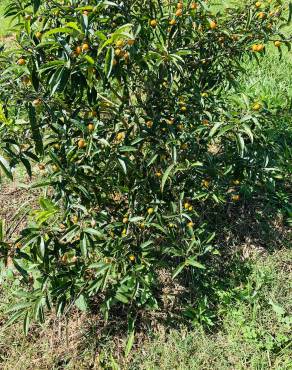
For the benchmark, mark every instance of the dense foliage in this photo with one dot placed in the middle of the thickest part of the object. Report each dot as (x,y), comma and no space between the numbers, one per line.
(123,105)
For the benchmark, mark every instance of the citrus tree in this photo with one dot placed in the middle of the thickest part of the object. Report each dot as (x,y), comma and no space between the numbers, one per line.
(123,107)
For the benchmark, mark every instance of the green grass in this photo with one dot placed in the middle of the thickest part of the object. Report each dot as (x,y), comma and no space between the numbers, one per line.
(4,22)
(254,331)
(253,334)
(271,81)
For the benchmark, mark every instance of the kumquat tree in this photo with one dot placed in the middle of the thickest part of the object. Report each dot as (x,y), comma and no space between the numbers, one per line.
(123,108)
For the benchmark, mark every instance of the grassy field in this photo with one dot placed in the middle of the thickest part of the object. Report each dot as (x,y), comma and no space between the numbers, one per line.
(251,328)
(4,22)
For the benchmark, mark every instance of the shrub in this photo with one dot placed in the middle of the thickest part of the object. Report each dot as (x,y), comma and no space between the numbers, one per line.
(123,105)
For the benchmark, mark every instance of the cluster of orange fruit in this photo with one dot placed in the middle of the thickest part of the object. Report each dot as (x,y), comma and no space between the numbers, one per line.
(82,49)
(179,12)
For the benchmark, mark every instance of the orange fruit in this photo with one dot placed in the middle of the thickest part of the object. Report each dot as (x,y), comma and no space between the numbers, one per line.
(85,47)
(213,25)
(132,258)
(260,47)
(158,174)
(78,50)
(81,144)
(172,22)
(194,6)
(206,183)
(120,43)
(261,15)
(118,52)
(235,197)
(150,211)
(277,44)
(38,35)
(125,220)
(21,62)
(179,5)
(179,12)
(90,127)
(36,102)
(149,124)
(254,47)
(153,23)
(258,4)
(120,136)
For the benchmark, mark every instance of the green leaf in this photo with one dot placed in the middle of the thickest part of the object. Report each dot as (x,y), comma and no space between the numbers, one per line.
(74,25)
(194,263)
(123,165)
(108,64)
(248,131)
(152,160)
(5,167)
(277,308)
(26,323)
(36,134)
(58,30)
(122,297)
(130,343)
(94,232)
(136,219)
(178,270)
(59,79)
(83,246)
(89,59)
(81,303)
(166,175)
(42,248)
(215,129)
(2,230)
(240,144)
(36,5)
